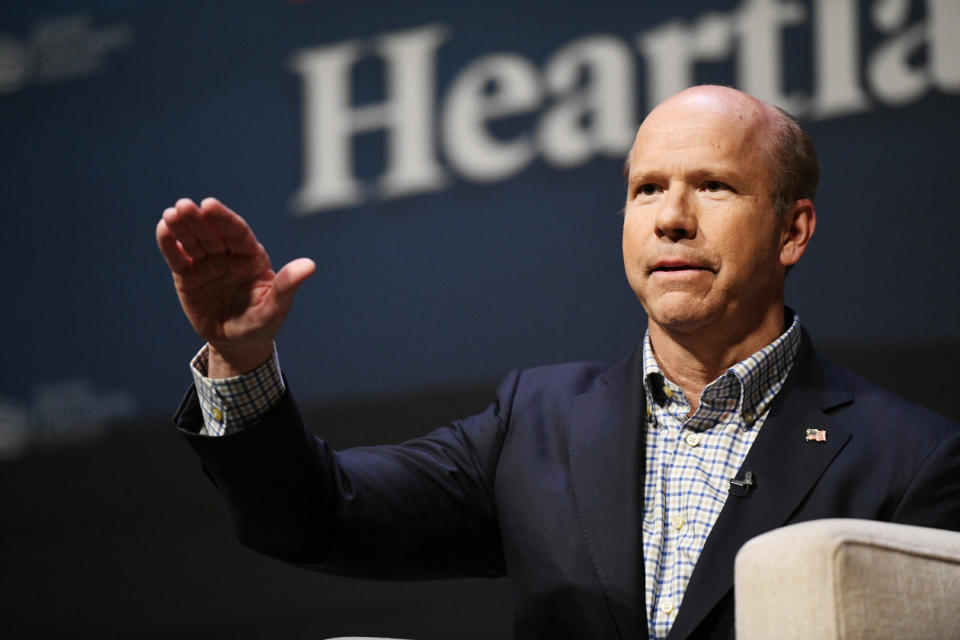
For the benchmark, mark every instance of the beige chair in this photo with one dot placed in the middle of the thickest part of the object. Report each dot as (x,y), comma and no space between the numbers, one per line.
(846,579)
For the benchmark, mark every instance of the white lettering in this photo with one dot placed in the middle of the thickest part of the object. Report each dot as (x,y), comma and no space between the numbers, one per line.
(500,111)
(889,72)
(836,37)
(672,50)
(944,21)
(598,117)
(57,49)
(411,162)
(760,24)
(406,114)
(496,86)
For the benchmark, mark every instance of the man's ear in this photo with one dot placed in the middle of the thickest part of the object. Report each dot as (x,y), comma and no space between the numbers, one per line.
(801,221)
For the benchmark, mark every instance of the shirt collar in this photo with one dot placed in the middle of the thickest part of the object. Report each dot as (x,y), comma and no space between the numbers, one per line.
(752,383)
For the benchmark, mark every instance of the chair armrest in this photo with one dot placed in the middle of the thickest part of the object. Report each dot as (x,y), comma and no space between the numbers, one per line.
(845,578)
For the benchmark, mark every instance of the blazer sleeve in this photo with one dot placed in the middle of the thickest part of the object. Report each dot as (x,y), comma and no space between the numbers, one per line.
(421,509)
(932,497)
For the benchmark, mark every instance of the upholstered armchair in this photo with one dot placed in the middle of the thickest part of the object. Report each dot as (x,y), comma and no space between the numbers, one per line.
(848,579)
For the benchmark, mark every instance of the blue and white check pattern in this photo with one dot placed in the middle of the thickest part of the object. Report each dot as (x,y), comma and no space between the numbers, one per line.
(229,404)
(690,461)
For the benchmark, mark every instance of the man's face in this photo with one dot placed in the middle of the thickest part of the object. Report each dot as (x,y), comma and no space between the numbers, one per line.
(701,241)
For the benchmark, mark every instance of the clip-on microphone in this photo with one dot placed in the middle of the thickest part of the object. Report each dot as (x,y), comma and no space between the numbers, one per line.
(741,488)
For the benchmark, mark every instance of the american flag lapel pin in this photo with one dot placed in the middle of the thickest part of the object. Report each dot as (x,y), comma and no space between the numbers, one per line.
(816,435)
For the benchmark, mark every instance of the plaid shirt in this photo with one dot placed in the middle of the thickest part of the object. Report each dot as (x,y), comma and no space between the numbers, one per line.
(690,461)
(229,404)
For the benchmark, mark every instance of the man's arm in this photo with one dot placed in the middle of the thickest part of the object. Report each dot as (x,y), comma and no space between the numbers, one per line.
(424,509)
(226,286)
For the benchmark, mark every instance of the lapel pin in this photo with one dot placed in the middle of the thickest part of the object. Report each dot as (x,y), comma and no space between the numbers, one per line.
(816,435)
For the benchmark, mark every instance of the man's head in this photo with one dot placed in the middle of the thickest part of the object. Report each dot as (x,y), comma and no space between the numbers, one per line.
(719,205)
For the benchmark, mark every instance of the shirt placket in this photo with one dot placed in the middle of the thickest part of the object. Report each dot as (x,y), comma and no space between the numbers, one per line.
(673,452)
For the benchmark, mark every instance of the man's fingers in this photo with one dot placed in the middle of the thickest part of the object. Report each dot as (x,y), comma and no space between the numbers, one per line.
(205,233)
(174,217)
(233,229)
(292,276)
(177,259)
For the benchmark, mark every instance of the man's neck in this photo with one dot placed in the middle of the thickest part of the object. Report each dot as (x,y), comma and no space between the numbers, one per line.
(693,360)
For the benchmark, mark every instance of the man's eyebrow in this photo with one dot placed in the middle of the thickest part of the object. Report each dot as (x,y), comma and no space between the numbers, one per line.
(718,174)
(646,176)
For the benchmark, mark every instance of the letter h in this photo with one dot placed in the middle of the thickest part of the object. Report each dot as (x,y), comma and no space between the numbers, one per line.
(407,115)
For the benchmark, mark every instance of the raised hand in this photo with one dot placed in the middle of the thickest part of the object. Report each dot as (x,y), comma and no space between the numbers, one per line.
(225,283)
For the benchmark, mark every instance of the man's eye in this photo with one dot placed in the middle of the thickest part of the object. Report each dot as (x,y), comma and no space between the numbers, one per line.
(648,189)
(716,185)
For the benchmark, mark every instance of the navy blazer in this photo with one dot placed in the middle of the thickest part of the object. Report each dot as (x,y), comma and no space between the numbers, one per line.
(546,487)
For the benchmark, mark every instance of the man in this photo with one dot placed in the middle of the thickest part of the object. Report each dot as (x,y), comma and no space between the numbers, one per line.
(613,496)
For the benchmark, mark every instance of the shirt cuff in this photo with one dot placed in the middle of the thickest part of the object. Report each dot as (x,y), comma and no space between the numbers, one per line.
(230,404)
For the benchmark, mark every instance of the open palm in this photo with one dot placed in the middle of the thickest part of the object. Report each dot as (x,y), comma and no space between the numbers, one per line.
(222,275)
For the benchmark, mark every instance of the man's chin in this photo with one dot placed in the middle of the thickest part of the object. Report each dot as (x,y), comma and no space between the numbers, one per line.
(680,318)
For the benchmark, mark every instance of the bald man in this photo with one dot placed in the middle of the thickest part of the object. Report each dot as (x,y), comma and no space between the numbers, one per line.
(613,496)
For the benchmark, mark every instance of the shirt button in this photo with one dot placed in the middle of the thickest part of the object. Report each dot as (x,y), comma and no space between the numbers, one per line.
(666,605)
(677,521)
(692,440)
(749,416)
(217,414)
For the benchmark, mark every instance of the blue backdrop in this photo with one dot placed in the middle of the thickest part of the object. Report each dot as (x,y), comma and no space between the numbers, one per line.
(500,249)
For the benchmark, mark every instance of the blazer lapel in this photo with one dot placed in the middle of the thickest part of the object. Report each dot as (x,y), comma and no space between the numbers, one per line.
(606,463)
(785,468)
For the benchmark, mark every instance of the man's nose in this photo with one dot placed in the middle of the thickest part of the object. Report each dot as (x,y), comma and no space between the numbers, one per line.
(676,219)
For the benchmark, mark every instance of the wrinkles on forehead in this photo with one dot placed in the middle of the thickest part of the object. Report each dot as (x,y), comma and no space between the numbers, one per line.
(755,119)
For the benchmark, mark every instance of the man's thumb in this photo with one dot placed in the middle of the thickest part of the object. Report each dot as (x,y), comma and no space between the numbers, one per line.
(292,276)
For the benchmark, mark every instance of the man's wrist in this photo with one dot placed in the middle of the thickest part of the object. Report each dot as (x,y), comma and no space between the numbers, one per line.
(223,363)
(230,404)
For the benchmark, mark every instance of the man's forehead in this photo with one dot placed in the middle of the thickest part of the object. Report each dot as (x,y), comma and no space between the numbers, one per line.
(702,125)
(695,139)
(705,106)
(717,101)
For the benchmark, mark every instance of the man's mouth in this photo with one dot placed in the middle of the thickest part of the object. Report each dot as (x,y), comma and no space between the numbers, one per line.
(668,266)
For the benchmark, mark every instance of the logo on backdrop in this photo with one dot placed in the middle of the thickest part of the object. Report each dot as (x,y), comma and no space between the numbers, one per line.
(429,138)
(58,49)
(58,414)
